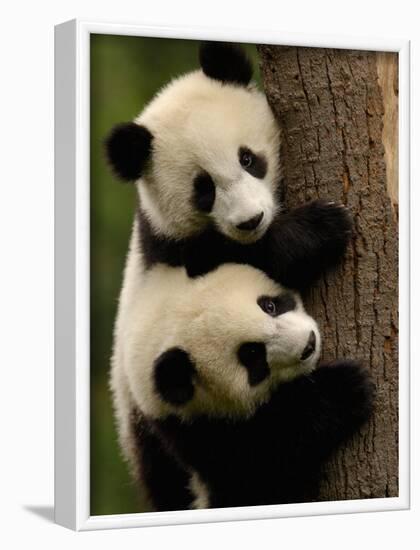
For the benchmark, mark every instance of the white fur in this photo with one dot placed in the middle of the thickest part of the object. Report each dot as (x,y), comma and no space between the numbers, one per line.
(209,317)
(123,401)
(199,124)
(241,202)
(201,494)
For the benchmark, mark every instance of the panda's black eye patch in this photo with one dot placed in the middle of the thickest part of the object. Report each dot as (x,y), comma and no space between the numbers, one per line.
(174,372)
(253,356)
(204,192)
(256,165)
(277,305)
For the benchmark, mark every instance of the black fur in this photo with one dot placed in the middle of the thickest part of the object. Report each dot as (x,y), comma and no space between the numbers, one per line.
(173,374)
(157,248)
(253,356)
(275,456)
(306,242)
(296,249)
(256,165)
(165,480)
(204,192)
(225,62)
(279,304)
(128,149)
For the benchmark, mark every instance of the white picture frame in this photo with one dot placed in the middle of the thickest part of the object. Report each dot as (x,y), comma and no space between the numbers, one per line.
(72,249)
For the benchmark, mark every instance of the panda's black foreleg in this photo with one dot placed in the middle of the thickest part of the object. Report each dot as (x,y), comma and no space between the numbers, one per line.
(275,456)
(305,242)
(308,419)
(166,482)
(226,455)
(341,401)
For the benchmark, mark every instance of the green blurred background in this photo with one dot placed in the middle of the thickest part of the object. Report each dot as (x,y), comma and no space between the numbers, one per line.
(125,74)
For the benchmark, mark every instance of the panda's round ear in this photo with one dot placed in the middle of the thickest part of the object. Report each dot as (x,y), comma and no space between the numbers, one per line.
(128,147)
(225,62)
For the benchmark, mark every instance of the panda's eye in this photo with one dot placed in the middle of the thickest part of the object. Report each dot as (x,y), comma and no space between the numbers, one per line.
(246,158)
(268,305)
(279,305)
(255,164)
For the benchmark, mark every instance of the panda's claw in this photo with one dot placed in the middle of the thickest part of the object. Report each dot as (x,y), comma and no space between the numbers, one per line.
(337,204)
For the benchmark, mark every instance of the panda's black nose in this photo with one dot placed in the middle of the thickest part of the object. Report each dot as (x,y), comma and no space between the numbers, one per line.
(310,346)
(252,223)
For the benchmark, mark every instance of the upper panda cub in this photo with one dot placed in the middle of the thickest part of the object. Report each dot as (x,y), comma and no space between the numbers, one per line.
(204,154)
(226,405)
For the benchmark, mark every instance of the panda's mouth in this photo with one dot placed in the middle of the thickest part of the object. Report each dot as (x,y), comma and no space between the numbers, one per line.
(245,236)
(294,361)
(310,347)
(244,210)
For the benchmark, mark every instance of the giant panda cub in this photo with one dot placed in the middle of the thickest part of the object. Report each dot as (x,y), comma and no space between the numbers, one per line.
(217,392)
(204,154)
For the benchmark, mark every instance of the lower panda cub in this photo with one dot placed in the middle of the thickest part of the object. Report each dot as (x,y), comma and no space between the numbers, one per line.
(217,392)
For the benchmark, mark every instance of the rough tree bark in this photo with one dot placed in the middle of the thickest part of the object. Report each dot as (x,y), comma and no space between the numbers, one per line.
(338,121)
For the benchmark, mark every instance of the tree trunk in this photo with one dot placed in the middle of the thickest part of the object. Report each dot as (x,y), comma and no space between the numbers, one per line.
(339,125)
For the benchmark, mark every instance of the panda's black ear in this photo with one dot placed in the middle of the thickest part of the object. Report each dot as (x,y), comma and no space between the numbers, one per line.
(128,147)
(174,376)
(225,62)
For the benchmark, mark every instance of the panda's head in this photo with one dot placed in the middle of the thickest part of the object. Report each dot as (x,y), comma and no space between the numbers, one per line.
(237,337)
(204,151)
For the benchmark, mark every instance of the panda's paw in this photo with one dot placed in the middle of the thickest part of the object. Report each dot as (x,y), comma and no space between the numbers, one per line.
(326,229)
(308,241)
(350,386)
(333,219)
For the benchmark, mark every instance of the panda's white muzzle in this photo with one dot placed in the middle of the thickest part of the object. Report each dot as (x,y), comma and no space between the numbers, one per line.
(244,210)
(296,341)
